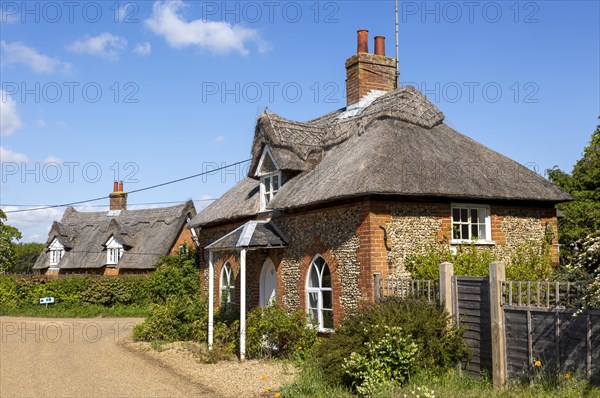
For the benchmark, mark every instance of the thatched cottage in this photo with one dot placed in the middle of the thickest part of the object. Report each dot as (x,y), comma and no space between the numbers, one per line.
(119,241)
(331,201)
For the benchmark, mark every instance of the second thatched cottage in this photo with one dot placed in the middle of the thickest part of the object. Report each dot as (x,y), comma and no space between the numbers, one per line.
(329,202)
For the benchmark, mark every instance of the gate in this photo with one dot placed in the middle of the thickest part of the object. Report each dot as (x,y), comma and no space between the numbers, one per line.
(472,313)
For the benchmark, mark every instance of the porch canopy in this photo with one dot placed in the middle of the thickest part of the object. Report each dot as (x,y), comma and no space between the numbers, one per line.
(253,235)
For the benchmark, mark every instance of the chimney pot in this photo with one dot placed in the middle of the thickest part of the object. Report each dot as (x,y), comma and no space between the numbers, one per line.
(118,198)
(380,45)
(363,41)
(367,72)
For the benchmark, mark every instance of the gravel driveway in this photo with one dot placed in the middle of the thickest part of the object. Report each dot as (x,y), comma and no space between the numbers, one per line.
(83,358)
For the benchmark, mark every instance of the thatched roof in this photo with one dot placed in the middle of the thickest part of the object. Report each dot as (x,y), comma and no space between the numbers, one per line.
(397,146)
(292,143)
(146,235)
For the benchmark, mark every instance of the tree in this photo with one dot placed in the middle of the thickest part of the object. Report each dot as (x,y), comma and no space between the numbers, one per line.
(581,216)
(8,235)
(25,256)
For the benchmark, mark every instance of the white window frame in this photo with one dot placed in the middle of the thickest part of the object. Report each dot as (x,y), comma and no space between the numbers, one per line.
(268,189)
(319,290)
(114,251)
(227,286)
(57,251)
(487,221)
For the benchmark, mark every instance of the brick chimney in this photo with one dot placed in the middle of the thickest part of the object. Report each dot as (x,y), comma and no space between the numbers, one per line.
(366,72)
(118,197)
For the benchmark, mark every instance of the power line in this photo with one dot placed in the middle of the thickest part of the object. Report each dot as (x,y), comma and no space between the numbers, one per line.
(128,204)
(134,191)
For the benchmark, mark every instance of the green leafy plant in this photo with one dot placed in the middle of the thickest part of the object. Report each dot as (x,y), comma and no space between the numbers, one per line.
(385,363)
(528,262)
(180,318)
(440,347)
(174,275)
(272,331)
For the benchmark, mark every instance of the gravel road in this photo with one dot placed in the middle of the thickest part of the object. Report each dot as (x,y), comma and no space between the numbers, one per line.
(83,358)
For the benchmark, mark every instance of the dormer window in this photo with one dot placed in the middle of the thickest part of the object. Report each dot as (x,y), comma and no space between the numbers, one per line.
(114,251)
(270,178)
(269,186)
(57,250)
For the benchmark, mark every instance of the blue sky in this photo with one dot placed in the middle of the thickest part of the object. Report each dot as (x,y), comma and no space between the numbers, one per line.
(154,91)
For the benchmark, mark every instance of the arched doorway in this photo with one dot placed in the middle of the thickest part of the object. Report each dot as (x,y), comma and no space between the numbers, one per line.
(268,283)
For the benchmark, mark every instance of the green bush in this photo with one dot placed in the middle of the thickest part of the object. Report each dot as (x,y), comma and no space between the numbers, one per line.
(272,331)
(111,291)
(9,292)
(179,318)
(439,347)
(178,311)
(386,362)
(528,262)
(174,276)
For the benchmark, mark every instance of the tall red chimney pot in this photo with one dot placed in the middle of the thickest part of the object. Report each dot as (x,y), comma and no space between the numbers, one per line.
(363,41)
(115,186)
(380,45)
(121,186)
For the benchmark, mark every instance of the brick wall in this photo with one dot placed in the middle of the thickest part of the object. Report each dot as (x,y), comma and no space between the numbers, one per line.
(351,239)
(183,238)
(366,72)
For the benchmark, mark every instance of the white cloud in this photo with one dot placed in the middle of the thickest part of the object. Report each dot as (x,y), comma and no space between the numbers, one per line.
(9,119)
(53,159)
(88,206)
(40,123)
(19,54)
(216,36)
(105,45)
(6,155)
(143,48)
(219,138)
(34,225)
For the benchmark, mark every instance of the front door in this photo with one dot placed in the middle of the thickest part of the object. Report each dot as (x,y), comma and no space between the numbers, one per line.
(268,283)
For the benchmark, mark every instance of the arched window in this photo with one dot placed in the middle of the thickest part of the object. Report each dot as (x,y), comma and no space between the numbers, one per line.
(319,294)
(227,285)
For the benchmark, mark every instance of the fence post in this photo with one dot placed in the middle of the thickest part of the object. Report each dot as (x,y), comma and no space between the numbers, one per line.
(446,300)
(376,282)
(497,276)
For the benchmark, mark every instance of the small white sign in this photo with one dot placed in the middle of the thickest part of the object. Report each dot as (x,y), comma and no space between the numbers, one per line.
(47,300)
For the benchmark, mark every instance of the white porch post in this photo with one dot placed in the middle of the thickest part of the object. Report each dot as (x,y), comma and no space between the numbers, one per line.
(242,304)
(211,294)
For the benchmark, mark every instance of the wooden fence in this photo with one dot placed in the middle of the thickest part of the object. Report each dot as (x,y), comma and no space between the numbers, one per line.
(543,325)
(407,288)
(509,325)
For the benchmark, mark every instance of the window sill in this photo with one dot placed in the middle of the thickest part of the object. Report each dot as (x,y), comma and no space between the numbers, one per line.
(456,242)
(325,331)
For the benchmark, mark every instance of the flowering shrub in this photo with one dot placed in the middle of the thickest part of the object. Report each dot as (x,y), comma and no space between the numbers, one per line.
(386,362)
(585,264)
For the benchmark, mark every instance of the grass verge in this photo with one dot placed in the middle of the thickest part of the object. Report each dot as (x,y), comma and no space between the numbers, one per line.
(63,310)
(454,384)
